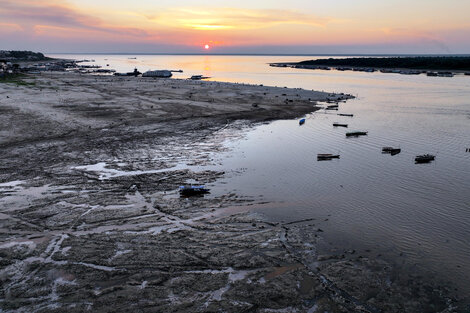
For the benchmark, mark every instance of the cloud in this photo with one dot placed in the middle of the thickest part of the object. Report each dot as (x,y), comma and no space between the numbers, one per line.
(232,18)
(33,13)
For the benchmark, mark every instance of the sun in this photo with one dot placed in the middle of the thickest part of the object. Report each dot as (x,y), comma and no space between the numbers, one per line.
(207,47)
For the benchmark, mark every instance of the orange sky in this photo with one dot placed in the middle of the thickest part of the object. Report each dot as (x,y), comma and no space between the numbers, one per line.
(420,26)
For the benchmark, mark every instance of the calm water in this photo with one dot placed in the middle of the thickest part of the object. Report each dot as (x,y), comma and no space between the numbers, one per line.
(372,200)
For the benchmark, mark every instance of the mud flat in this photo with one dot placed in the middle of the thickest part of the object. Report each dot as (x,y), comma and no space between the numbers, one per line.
(90,217)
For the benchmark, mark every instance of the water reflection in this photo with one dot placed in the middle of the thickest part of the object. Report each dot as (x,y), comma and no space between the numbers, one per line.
(372,200)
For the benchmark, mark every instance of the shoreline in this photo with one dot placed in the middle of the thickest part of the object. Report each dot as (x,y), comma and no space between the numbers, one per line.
(91,218)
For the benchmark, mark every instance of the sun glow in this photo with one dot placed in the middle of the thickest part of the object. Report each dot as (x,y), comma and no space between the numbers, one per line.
(206,47)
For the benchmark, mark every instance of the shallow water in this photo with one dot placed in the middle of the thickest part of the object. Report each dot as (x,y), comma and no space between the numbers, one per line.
(371,200)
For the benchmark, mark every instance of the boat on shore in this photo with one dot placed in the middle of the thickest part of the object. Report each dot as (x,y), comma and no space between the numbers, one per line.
(424,158)
(198,77)
(356,134)
(345,114)
(134,73)
(158,74)
(188,191)
(340,125)
(302,121)
(327,156)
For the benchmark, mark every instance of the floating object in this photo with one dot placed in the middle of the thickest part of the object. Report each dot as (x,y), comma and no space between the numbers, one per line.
(198,77)
(345,114)
(188,191)
(302,121)
(424,158)
(340,125)
(391,150)
(158,74)
(356,134)
(327,156)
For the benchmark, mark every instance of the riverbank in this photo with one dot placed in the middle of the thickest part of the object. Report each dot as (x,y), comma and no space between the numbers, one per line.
(91,218)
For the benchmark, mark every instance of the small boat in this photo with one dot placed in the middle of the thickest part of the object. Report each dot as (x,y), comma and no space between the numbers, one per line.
(158,74)
(327,156)
(391,150)
(344,114)
(134,73)
(340,125)
(356,134)
(188,191)
(198,77)
(302,121)
(332,107)
(424,158)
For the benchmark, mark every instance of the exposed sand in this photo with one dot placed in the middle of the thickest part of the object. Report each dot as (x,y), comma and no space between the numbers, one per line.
(91,220)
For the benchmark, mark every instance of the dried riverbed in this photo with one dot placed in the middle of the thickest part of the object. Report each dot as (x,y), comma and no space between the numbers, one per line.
(90,219)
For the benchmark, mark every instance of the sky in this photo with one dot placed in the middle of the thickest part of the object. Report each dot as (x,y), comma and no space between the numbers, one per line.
(241,26)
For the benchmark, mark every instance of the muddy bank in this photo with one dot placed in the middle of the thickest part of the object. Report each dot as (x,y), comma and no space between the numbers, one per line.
(90,217)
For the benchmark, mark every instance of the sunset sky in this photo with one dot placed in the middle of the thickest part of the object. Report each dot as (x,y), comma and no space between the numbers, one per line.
(261,26)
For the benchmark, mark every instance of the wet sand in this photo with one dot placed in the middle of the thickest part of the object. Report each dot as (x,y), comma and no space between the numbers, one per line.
(90,217)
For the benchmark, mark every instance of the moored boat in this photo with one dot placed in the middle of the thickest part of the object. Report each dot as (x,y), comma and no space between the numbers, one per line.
(302,121)
(340,125)
(356,134)
(327,156)
(391,150)
(424,158)
(345,114)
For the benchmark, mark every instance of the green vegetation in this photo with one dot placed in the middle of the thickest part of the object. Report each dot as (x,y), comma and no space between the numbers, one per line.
(16,79)
(22,56)
(418,63)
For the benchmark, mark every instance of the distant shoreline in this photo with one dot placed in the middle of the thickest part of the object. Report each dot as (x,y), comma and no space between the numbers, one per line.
(400,65)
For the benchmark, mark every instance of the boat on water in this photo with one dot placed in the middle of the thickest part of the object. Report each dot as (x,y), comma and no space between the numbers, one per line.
(327,156)
(424,158)
(356,134)
(345,114)
(193,190)
(158,74)
(391,150)
(198,77)
(340,125)
(302,121)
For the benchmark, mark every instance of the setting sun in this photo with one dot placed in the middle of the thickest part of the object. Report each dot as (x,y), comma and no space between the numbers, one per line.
(206,47)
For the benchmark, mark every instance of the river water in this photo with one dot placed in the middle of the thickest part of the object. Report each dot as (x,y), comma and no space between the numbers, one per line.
(418,214)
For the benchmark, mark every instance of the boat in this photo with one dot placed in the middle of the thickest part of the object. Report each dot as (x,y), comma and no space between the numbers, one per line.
(345,114)
(340,125)
(332,107)
(424,158)
(198,77)
(391,150)
(356,134)
(134,73)
(445,74)
(188,191)
(327,156)
(302,121)
(158,74)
